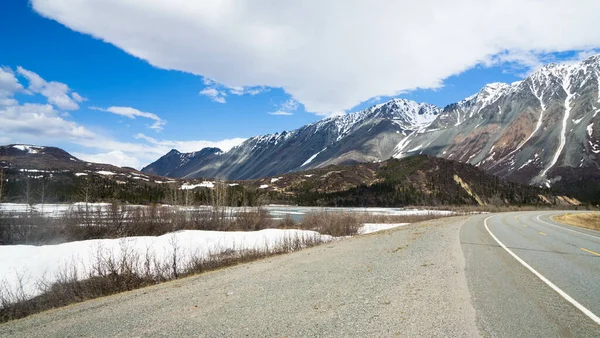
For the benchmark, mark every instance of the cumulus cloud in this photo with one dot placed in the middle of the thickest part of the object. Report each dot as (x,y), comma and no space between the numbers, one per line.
(132,113)
(35,123)
(9,85)
(57,93)
(330,55)
(43,124)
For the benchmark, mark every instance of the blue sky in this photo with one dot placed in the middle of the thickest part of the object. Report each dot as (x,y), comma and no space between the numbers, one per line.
(122,96)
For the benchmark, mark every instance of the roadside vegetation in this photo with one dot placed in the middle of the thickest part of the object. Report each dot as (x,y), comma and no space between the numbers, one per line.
(583,220)
(109,273)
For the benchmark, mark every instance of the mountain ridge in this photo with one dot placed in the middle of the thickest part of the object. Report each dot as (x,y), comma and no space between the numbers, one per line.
(542,130)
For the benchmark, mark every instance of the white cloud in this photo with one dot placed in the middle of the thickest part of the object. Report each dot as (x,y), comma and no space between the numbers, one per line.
(132,113)
(78,97)
(281,112)
(9,85)
(43,124)
(115,157)
(330,55)
(287,108)
(39,123)
(247,90)
(189,146)
(214,94)
(57,93)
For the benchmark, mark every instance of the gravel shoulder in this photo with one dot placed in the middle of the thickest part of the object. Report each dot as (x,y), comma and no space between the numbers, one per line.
(408,281)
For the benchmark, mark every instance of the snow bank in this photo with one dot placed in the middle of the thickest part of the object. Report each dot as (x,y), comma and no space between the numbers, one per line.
(31,264)
(368,228)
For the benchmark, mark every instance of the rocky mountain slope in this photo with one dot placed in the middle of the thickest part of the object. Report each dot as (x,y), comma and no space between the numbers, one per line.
(414,180)
(543,130)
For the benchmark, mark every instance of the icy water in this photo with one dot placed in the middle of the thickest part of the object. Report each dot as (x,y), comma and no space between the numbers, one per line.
(297,213)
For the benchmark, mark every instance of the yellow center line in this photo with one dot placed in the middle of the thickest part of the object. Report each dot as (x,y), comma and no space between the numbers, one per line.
(543,234)
(590,251)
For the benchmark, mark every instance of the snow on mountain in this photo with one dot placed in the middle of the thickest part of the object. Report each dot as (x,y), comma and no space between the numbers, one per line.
(541,130)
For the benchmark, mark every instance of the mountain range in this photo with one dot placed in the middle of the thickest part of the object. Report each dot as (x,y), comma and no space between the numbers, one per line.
(541,131)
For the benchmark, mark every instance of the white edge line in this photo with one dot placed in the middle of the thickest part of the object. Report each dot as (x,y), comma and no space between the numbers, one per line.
(570,299)
(557,226)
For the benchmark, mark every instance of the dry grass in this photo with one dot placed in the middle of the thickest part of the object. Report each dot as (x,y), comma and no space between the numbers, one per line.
(348,223)
(466,209)
(587,220)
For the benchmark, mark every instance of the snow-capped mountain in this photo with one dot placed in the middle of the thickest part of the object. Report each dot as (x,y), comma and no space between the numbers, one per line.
(365,136)
(542,130)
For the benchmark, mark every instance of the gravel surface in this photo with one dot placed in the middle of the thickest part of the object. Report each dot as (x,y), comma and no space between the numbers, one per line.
(408,281)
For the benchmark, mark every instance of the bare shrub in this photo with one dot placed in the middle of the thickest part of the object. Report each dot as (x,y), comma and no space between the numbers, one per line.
(331,223)
(252,220)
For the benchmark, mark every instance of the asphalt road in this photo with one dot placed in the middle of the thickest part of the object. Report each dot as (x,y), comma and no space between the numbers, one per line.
(513,301)
(450,277)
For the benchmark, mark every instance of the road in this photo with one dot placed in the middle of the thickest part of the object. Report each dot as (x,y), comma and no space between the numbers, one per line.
(509,298)
(442,278)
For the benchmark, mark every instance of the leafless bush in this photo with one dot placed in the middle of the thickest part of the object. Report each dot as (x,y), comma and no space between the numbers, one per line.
(332,223)
(251,220)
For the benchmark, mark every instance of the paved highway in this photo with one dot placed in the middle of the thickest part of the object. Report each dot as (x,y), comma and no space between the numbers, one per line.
(530,276)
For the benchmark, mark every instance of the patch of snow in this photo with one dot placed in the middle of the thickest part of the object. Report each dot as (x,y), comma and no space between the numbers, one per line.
(309,176)
(81,174)
(233,184)
(312,157)
(32,171)
(563,137)
(106,173)
(275,179)
(590,129)
(368,228)
(28,148)
(577,121)
(204,184)
(525,164)
(263,186)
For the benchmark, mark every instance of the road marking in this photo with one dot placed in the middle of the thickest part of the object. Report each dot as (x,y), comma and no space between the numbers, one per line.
(556,226)
(590,251)
(543,233)
(570,299)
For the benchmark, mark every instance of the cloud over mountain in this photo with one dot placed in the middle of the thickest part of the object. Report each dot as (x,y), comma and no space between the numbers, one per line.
(332,55)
